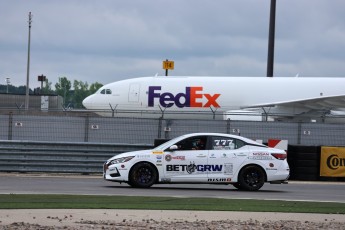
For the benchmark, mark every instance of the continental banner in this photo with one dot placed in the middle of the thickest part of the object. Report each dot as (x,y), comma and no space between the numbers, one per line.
(332,162)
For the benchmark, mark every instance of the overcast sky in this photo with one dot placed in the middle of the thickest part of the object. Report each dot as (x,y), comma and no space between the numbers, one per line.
(110,40)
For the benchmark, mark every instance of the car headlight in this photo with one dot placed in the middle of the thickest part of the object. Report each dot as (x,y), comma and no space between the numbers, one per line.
(120,160)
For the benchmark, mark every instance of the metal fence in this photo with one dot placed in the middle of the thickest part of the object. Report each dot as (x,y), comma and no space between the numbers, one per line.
(144,131)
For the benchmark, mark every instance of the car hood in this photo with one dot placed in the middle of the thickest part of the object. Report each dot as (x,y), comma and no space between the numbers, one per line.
(133,153)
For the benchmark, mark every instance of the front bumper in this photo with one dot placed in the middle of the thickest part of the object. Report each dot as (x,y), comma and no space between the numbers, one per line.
(115,172)
(110,171)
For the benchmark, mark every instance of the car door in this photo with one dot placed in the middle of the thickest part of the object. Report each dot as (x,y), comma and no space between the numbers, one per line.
(227,154)
(186,163)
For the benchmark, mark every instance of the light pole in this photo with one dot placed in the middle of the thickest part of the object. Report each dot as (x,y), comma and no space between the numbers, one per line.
(8,81)
(28,66)
(271,33)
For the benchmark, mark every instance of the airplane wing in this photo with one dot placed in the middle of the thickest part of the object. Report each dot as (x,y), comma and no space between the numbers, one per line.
(318,103)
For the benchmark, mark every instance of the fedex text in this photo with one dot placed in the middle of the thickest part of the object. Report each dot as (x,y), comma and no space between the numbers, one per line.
(192,97)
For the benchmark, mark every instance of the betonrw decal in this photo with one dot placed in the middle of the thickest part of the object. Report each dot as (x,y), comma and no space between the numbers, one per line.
(192,97)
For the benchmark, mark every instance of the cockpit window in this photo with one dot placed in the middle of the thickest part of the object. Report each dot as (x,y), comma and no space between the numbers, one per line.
(106,91)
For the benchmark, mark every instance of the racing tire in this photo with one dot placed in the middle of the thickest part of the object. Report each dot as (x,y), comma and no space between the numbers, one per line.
(251,178)
(142,175)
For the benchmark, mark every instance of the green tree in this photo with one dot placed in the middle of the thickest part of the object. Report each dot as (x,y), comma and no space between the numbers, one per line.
(81,91)
(94,87)
(47,87)
(63,88)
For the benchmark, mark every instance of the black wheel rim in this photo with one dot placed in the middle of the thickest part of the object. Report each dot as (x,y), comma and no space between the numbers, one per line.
(253,178)
(144,175)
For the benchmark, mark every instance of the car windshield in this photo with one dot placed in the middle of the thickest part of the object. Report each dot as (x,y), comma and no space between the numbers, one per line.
(168,143)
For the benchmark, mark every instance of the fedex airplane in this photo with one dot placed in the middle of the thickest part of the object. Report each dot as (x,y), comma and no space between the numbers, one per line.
(180,96)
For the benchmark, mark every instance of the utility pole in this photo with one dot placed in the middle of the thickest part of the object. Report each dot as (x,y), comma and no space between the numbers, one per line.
(7,82)
(28,66)
(270,56)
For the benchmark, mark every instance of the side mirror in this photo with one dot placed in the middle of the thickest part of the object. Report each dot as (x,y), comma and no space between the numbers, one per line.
(173,148)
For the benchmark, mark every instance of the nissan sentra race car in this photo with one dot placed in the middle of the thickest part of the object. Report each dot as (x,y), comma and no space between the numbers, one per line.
(211,158)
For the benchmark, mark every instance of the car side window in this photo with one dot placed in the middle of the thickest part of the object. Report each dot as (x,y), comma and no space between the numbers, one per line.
(226,143)
(193,143)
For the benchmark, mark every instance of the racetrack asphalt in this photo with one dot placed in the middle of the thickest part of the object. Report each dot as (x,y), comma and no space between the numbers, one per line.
(101,218)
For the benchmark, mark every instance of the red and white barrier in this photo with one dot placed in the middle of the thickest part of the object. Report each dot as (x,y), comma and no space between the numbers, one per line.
(278,144)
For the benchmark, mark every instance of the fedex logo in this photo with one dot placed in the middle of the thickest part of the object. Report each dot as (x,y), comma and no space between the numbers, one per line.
(193,97)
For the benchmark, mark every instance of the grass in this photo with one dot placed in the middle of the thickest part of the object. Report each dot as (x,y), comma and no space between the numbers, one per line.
(26,201)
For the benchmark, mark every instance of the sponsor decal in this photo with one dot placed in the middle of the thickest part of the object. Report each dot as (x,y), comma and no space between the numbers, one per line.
(212,155)
(159,164)
(271,169)
(192,97)
(271,165)
(228,169)
(143,156)
(261,154)
(261,158)
(332,162)
(169,158)
(223,142)
(218,147)
(182,158)
(157,152)
(159,157)
(219,179)
(192,167)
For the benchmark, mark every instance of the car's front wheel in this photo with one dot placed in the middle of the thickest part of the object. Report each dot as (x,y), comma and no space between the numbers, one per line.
(142,175)
(251,178)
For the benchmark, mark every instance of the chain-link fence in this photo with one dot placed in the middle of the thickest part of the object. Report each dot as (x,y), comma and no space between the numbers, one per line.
(144,131)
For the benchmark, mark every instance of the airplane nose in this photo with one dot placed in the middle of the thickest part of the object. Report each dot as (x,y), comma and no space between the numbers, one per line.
(87,102)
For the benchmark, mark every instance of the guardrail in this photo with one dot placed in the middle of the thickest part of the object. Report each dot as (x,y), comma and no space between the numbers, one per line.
(88,158)
(59,157)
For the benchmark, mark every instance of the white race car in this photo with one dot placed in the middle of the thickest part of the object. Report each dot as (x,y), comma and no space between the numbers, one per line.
(205,158)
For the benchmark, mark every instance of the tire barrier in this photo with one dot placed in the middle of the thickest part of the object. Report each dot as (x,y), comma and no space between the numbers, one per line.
(304,162)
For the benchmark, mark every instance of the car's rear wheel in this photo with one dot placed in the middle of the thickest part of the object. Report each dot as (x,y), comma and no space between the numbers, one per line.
(142,175)
(251,178)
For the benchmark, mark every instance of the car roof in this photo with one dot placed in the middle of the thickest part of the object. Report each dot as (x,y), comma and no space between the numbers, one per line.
(249,141)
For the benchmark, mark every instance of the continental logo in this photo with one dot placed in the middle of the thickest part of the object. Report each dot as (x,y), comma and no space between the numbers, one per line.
(334,162)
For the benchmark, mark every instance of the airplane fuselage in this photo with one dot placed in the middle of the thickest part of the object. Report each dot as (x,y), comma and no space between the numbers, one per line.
(209,94)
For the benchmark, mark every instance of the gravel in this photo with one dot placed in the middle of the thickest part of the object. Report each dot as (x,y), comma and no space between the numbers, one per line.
(159,219)
(200,225)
